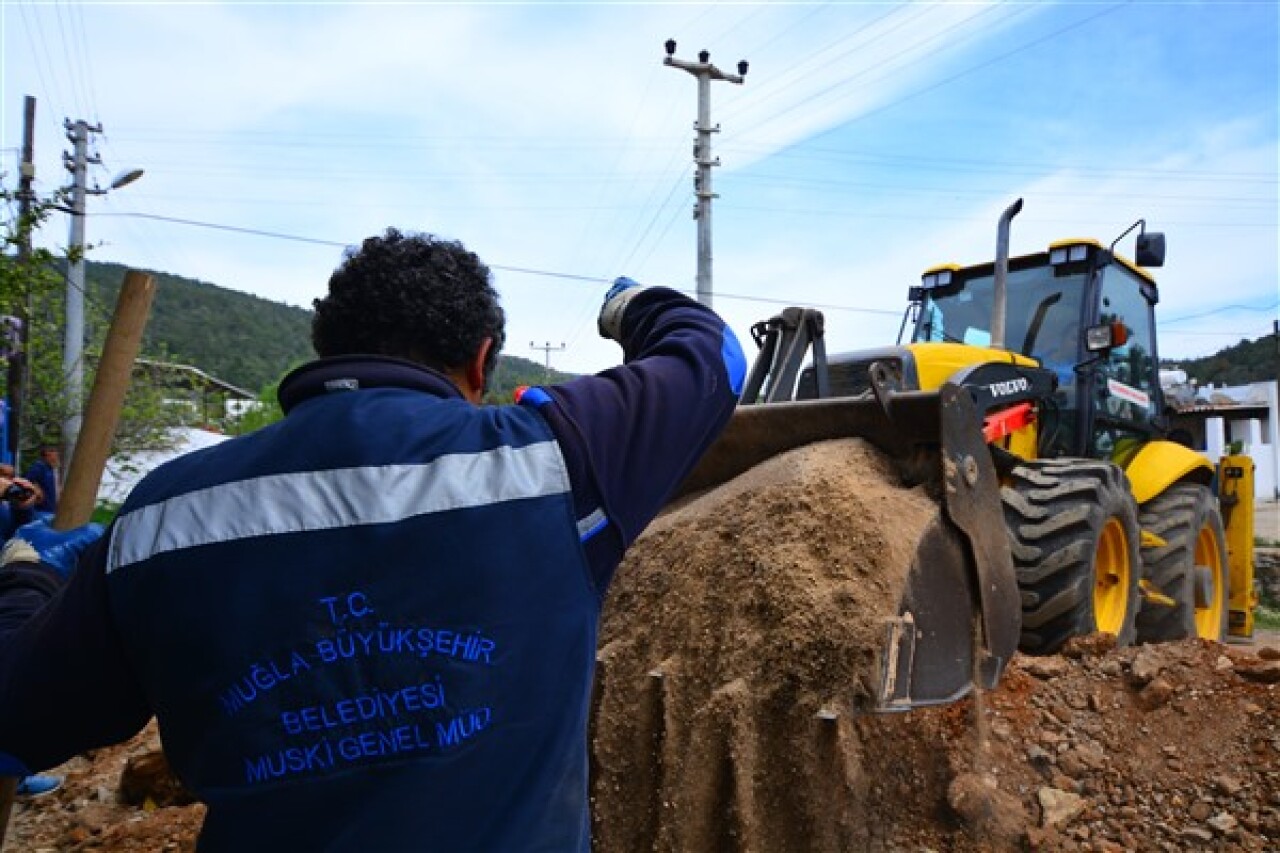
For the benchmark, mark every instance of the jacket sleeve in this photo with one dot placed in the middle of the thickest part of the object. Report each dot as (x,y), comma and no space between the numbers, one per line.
(631,434)
(65,684)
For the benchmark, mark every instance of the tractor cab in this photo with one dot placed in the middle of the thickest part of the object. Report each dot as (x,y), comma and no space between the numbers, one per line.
(1080,311)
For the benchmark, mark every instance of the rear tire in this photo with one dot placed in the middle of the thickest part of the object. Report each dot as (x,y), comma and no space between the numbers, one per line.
(1188,519)
(1073,528)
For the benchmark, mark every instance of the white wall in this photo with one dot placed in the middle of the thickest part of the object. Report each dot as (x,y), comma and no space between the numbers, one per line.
(1261,441)
(1273,442)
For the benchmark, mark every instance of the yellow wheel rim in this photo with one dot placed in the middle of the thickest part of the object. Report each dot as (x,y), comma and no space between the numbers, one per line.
(1111,574)
(1209,555)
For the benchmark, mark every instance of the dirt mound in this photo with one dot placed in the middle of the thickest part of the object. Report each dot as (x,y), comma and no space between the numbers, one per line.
(740,633)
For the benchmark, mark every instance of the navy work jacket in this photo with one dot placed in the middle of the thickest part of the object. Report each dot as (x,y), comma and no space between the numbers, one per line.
(372,625)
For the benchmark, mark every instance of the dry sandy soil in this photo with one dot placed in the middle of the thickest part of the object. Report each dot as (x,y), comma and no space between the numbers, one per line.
(732,660)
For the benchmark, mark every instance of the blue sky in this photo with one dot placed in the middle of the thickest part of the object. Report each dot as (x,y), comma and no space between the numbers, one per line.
(870,141)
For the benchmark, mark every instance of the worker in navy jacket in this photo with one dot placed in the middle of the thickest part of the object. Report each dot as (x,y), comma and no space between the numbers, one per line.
(372,625)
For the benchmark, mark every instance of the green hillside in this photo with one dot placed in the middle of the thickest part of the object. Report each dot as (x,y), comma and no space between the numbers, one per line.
(1247,361)
(240,338)
(237,337)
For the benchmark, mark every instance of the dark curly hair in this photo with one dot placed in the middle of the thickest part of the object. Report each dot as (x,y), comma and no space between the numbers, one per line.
(412,296)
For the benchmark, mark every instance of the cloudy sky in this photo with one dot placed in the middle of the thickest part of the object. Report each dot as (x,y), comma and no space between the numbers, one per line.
(870,141)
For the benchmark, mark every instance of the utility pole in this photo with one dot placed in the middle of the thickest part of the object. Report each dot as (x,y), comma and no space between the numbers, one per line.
(705,72)
(547,349)
(17,378)
(77,163)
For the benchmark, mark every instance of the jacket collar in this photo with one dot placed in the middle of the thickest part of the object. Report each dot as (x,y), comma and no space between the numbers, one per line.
(357,372)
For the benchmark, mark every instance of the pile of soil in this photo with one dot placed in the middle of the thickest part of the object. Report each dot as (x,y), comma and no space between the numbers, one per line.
(735,648)
(736,620)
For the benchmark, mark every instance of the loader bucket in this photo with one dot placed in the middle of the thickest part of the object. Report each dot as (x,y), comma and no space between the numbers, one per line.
(958,615)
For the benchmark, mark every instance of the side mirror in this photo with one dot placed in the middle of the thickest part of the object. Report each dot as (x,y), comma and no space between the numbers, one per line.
(1106,337)
(1150,249)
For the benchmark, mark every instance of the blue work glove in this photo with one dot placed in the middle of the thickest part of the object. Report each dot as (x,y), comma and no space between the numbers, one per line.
(60,549)
(615,305)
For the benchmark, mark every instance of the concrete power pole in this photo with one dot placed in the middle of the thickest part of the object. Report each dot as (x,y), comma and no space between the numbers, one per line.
(547,349)
(705,72)
(77,163)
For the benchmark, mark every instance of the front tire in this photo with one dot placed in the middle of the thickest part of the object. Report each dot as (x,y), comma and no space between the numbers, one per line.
(1073,528)
(1190,568)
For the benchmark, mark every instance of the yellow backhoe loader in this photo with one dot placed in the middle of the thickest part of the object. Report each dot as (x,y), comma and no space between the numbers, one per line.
(1027,394)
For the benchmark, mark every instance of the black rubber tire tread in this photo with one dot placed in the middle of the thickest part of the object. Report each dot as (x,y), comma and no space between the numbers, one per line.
(1055,511)
(1177,516)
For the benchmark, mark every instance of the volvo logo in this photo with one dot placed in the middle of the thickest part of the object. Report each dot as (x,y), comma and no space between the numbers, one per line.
(1009,386)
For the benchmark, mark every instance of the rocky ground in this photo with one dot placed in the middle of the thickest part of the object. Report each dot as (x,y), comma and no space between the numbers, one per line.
(117,799)
(1161,748)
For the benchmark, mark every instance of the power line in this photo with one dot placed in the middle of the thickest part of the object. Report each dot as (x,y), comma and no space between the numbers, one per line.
(1272,307)
(992,164)
(594,279)
(1107,174)
(1224,334)
(84,51)
(41,60)
(936,189)
(233,228)
(913,216)
(500,267)
(843,83)
(73,62)
(777,85)
(675,185)
(949,79)
(795,24)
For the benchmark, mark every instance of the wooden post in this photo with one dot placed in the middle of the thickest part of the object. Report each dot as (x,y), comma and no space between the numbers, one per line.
(79,494)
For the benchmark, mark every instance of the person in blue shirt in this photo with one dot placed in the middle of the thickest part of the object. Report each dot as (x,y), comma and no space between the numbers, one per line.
(372,625)
(18,497)
(44,474)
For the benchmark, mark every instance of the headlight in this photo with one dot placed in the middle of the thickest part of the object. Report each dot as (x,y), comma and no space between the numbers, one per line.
(1068,254)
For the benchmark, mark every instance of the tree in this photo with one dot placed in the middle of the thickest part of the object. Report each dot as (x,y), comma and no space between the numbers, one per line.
(266,410)
(32,290)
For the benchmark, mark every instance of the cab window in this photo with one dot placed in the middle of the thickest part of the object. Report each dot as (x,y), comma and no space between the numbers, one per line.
(1127,399)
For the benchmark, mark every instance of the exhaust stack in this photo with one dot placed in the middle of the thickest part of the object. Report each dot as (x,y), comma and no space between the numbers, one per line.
(999,300)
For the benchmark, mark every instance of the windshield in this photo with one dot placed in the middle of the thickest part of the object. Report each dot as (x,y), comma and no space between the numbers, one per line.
(1042,318)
